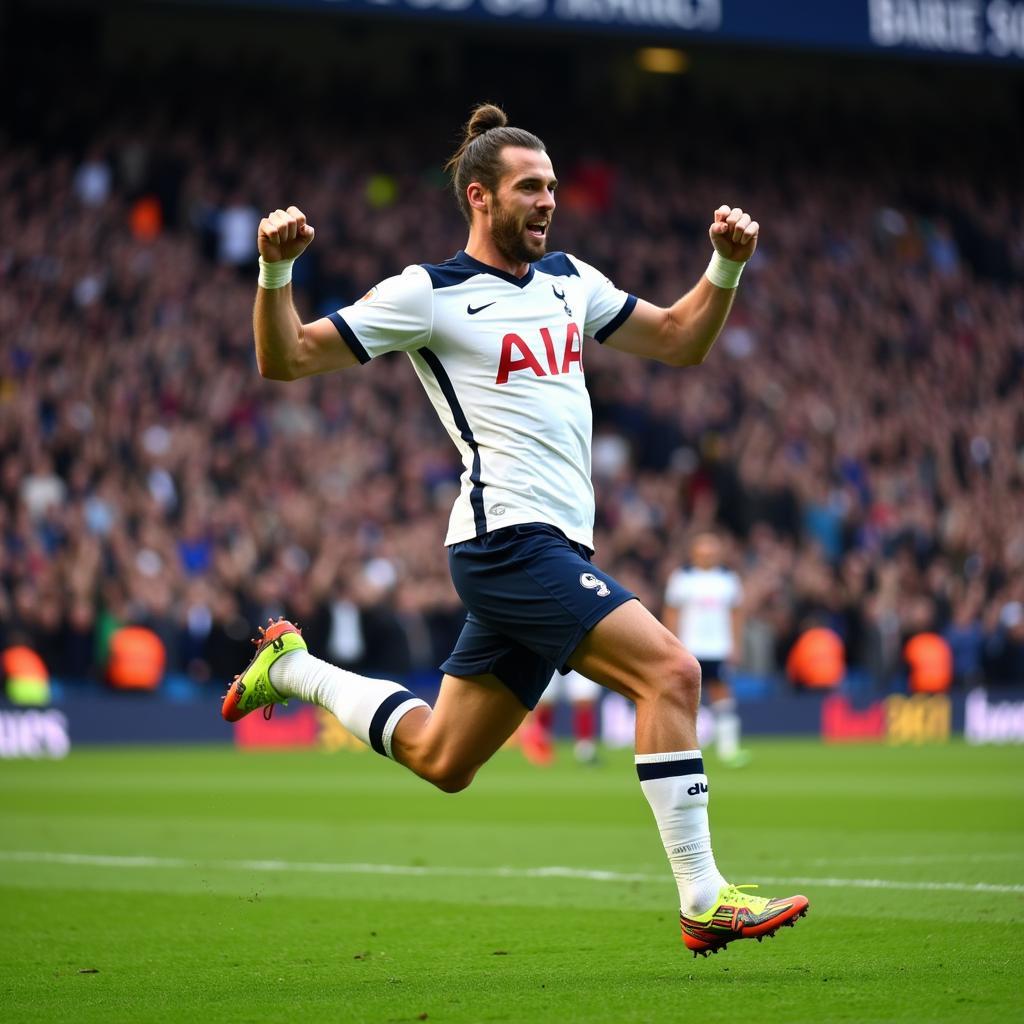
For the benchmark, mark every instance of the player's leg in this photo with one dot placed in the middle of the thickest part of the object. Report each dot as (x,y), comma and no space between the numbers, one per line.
(445,745)
(726,715)
(470,720)
(631,652)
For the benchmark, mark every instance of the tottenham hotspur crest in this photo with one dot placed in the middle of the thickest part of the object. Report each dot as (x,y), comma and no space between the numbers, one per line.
(561,298)
(591,582)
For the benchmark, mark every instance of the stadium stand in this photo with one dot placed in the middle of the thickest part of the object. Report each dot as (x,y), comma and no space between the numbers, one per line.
(858,433)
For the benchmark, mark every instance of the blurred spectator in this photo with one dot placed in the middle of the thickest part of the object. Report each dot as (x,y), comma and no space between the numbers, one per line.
(26,677)
(816,661)
(137,659)
(1004,655)
(929,663)
(93,179)
(236,232)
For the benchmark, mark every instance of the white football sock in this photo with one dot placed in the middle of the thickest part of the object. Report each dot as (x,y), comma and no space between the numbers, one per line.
(727,727)
(677,790)
(369,708)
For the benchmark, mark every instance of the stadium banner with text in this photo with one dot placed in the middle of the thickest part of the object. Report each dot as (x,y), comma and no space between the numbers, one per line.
(979,716)
(106,719)
(991,30)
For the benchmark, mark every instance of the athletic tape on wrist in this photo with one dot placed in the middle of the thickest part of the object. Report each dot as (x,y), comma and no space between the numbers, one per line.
(724,273)
(275,275)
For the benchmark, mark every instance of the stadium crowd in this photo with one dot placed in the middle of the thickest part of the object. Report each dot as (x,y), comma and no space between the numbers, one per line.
(857,435)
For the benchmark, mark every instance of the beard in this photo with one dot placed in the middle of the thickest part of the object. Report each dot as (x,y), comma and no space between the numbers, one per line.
(511,240)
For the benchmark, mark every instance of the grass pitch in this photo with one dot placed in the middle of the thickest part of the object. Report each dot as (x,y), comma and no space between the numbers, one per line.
(212,885)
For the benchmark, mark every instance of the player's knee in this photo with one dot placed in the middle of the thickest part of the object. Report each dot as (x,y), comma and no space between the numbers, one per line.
(678,680)
(449,776)
(454,782)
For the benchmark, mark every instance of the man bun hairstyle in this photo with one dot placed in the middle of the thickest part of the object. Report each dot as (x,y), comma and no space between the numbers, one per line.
(478,158)
(483,118)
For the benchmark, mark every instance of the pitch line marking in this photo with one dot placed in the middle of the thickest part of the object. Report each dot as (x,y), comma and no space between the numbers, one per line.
(414,871)
(913,860)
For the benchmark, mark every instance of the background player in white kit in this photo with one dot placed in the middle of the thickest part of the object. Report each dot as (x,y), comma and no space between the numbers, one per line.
(536,737)
(703,608)
(496,337)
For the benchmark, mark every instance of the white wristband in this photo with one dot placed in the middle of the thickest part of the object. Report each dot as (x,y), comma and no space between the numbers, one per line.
(276,274)
(724,273)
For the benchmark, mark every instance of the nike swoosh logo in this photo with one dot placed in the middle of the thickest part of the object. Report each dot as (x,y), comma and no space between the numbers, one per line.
(472,312)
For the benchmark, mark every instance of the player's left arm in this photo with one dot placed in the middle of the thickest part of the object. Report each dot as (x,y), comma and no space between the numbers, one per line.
(672,619)
(683,333)
(672,606)
(737,635)
(737,621)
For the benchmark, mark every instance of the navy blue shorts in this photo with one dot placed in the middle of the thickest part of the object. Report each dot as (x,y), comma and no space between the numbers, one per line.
(532,596)
(711,669)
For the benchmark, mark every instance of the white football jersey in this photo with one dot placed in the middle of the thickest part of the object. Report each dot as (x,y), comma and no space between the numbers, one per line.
(501,359)
(705,599)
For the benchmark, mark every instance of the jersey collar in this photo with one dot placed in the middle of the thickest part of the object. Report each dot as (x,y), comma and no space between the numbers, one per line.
(484,268)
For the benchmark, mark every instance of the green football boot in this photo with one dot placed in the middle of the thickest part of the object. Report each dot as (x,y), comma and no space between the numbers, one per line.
(252,689)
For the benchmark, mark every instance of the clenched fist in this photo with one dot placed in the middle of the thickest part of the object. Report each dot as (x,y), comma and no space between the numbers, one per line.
(734,234)
(283,235)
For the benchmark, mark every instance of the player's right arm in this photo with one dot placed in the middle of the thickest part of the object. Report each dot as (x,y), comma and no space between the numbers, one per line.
(672,619)
(286,348)
(672,608)
(737,621)
(683,333)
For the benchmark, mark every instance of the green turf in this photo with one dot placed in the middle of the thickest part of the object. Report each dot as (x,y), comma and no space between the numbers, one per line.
(187,933)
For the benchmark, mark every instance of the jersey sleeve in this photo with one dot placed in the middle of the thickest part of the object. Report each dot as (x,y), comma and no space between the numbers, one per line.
(677,590)
(608,307)
(393,317)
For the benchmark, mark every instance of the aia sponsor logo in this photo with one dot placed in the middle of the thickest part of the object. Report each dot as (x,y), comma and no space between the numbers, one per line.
(518,356)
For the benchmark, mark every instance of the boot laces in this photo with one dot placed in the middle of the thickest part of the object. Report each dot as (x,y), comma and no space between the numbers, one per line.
(734,892)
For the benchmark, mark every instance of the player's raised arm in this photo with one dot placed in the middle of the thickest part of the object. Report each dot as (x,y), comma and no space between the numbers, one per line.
(682,334)
(286,348)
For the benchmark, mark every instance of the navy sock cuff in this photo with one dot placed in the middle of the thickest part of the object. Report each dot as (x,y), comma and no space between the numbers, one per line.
(670,769)
(380,718)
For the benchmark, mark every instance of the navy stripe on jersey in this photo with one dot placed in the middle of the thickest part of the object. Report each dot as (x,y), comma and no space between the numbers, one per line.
(617,321)
(476,496)
(465,260)
(670,769)
(381,716)
(558,265)
(461,267)
(350,337)
(449,273)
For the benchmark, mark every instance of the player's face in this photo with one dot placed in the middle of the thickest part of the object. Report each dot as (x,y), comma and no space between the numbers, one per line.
(707,552)
(524,204)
